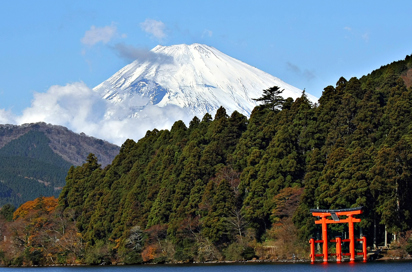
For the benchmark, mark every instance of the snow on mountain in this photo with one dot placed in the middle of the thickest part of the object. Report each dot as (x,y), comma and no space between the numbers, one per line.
(196,78)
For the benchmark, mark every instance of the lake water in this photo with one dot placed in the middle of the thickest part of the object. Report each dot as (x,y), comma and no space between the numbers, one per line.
(288,267)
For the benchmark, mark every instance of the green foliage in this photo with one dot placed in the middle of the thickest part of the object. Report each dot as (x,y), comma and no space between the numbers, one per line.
(238,251)
(7,212)
(35,145)
(248,253)
(408,247)
(272,98)
(33,256)
(184,251)
(234,252)
(29,168)
(98,254)
(132,257)
(214,223)
(18,261)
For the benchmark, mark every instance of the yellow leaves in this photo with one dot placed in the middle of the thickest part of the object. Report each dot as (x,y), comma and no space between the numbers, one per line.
(44,232)
(117,241)
(33,249)
(45,204)
(23,209)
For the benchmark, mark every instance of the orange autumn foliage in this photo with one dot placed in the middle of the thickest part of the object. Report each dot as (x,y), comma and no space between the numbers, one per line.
(45,204)
(149,253)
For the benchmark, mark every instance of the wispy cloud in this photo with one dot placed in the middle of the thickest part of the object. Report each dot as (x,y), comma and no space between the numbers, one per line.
(365,37)
(207,33)
(131,53)
(309,75)
(99,34)
(354,33)
(155,28)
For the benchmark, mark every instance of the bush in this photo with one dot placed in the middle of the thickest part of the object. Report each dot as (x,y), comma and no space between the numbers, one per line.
(248,253)
(160,260)
(238,252)
(62,258)
(17,261)
(133,257)
(98,254)
(183,255)
(35,257)
(234,252)
(3,258)
(408,248)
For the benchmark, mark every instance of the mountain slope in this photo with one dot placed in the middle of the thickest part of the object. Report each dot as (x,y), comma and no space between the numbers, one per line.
(70,146)
(35,159)
(29,168)
(34,144)
(197,78)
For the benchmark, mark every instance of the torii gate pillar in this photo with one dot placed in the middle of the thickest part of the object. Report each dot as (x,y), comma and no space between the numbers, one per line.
(324,221)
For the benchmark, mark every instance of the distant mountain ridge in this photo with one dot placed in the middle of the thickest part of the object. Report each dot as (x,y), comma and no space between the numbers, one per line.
(72,147)
(35,159)
(29,168)
(28,145)
(197,78)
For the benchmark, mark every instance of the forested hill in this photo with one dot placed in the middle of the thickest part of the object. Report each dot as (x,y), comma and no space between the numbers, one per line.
(209,188)
(72,147)
(29,169)
(35,158)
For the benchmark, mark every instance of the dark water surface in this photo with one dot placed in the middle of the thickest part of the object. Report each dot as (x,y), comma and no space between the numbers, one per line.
(288,267)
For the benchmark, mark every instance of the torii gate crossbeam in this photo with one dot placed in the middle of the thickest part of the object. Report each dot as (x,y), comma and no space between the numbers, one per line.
(323,214)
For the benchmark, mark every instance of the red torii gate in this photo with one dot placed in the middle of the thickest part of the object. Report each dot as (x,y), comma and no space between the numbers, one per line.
(323,214)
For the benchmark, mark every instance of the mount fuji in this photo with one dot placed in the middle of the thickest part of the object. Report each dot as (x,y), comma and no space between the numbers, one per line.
(195,78)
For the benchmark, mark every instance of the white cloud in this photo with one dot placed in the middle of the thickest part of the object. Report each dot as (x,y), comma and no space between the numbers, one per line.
(347,28)
(74,105)
(207,33)
(99,34)
(79,108)
(6,117)
(155,28)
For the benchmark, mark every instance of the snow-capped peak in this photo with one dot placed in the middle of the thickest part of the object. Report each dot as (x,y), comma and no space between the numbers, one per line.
(196,77)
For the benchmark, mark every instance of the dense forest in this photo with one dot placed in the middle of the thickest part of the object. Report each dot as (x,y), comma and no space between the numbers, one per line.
(233,188)
(29,168)
(35,159)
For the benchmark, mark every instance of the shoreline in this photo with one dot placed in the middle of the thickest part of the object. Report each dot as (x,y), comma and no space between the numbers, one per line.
(267,261)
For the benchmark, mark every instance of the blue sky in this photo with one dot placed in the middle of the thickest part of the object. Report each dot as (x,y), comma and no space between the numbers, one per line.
(308,44)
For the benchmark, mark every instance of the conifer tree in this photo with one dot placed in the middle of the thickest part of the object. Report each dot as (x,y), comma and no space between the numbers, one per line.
(214,223)
(272,98)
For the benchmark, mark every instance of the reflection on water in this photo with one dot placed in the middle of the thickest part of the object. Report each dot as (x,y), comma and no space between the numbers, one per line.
(283,267)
